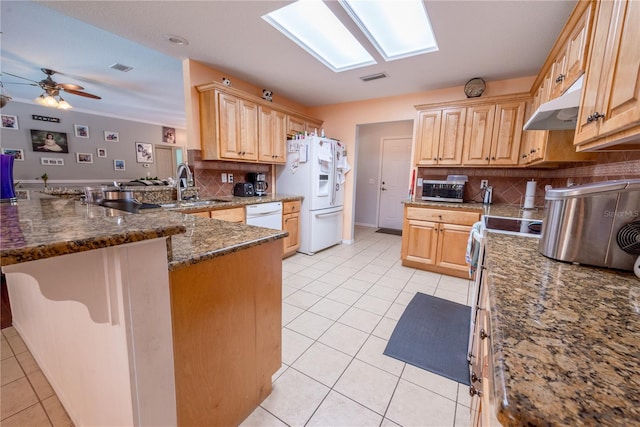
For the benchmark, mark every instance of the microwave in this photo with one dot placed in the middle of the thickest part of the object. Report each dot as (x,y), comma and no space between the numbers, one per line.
(443,191)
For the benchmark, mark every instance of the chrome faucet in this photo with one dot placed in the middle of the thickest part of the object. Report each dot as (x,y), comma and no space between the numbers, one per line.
(182,168)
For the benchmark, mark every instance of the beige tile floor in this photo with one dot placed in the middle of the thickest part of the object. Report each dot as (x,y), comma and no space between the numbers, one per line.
(339,309)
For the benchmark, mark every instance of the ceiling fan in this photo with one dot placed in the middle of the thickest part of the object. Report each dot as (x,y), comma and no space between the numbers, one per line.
(52,89)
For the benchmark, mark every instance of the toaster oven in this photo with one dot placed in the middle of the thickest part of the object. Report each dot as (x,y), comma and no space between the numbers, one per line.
(443,191)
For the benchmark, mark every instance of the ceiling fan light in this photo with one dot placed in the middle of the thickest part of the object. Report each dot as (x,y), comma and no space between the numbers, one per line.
(50,101)
(40,100)
(64,105)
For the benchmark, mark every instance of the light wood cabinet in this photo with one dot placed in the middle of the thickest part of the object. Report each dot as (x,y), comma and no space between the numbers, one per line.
(436,239)
(296,125)
(226,317)
(238,126)
(291,224)
(570,63)
(440,136)
(273,135)
(609,116)
(493,134)
(231,215)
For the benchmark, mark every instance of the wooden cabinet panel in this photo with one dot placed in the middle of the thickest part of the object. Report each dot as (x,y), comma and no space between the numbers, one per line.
(428,137)
(507,133)
(295,125)
(248,130)
(440,136)
(436,239)
(478,133)
(272,135)
(291,224)
(228,115)
(231,215)
(451,136)
(200,214)
(610,109)
(421,242)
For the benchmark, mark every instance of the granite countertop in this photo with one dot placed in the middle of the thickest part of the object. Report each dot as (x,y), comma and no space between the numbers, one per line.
(48,227)
(498,209)
(565,338)
(229,202)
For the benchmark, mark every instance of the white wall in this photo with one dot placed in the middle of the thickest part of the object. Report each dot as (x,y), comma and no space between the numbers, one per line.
(368,147)
(101,168)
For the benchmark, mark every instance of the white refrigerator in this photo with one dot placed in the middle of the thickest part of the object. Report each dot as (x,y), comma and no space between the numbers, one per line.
(316,169)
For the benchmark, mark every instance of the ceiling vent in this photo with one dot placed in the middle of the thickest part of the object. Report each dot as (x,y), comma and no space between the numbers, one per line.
(373,77)
(121,67)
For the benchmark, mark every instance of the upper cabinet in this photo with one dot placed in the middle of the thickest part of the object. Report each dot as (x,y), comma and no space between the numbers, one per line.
(493,134)
(238,126)
(570,62)
(609,117)
(439,137)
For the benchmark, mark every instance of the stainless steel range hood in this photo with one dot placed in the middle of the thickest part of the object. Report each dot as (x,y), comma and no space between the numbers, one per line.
(558,114)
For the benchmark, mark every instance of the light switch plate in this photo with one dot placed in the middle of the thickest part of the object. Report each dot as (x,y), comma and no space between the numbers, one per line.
(224,178)
(230,178)
(484,183)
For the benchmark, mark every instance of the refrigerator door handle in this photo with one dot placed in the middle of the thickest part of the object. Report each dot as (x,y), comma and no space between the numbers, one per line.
(328,214)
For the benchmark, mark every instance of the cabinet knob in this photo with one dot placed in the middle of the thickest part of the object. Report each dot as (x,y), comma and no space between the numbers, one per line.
(595,117)
(483,334)
(486,158)
(435,159)
(493,158)
(474,392)
(475,378)
(560,78)
(440,158)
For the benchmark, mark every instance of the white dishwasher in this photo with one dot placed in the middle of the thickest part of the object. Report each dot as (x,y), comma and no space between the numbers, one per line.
(268,215)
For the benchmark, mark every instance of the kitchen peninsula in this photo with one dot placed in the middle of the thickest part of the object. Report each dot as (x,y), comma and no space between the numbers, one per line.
(155,318)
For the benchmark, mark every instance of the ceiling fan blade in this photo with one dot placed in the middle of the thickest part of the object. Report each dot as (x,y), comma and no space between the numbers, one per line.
(23,78)
(20,83)
(70,86)
(85,94)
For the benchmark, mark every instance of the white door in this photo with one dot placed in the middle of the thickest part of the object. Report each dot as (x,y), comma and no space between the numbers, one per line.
(165,162)
(394,184)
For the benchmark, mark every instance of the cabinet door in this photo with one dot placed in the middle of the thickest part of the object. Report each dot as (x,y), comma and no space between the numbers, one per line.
(295,125)
(428,137)
(558,74)
(228,114)
(477,135)
(231,215)
(421,242)
(452,246)
(291,224)
(248,130)
(451,136)
(507,133)
(272,135)
(612,83)
(576,54)
(621,93)
(279,137)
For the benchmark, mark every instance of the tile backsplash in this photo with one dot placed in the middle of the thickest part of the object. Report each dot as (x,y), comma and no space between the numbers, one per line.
(509,185)
(208,174)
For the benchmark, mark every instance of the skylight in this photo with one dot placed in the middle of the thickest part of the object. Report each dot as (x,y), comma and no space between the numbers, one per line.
(398,29)
(317,30)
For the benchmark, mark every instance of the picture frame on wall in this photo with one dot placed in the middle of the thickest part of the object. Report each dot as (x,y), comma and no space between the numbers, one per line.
(17,153)
(52,161)
(49,141)
(111,136)
(144,152)
(81,131)
(118,165)
(9,122)
(168,135)
(101,152)
(84,157)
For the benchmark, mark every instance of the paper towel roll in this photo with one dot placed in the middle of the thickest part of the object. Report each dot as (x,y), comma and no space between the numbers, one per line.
(530,195)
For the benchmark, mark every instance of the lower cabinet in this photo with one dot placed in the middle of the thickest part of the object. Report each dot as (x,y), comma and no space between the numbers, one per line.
(436,239)
(231,215)
(291,224)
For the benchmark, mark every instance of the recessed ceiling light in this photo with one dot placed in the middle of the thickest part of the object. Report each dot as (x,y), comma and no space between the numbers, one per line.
(398,29)
(177,40)
(313,26)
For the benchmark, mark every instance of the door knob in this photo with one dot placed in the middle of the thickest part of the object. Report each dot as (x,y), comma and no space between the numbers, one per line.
(383,189)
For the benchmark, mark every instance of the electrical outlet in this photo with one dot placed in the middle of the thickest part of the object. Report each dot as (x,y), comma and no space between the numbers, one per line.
(224,178)
(484,183)
(230,178)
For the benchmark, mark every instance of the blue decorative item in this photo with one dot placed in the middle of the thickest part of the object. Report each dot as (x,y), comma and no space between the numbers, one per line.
(7,192)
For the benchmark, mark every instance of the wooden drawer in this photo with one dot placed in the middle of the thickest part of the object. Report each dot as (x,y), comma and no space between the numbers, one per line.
(201,214)
(231,215)
(443,215)
(290,207)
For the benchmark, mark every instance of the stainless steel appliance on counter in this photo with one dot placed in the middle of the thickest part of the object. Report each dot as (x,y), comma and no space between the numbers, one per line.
(259,181)
(443,191)
(595,224)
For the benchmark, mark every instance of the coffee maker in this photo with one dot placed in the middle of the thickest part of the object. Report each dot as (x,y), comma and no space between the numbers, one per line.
(259,181)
